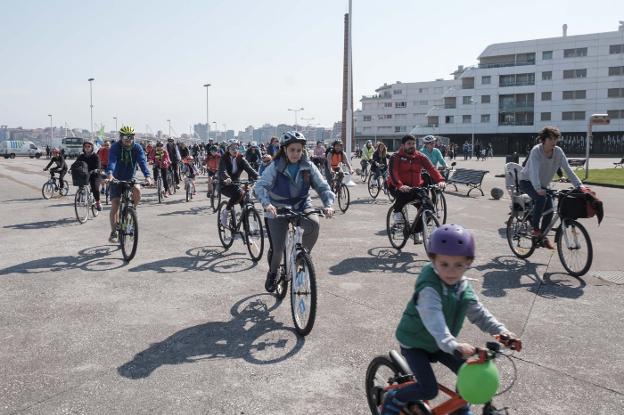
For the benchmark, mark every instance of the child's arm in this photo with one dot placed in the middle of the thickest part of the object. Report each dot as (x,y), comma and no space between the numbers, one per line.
(429,306)
(480,316)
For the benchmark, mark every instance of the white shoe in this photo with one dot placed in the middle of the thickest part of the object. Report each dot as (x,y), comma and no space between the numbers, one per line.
(418,238)
(224,217)
(398,217)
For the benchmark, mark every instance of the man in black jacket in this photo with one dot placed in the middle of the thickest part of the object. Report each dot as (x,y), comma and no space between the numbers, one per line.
(93,164)
(60,168)
(231,166)
(174,156)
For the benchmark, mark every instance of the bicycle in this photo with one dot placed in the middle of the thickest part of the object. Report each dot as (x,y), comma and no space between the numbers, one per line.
(215,195)
(341,190)
(437,193)
(399,231)
(128,226)
(378,184)
(105,190)
(171,180)
(52,186)
(364,172)
(385,373)
(298,270)
(252,232)
(83,202)
(570,235)
(189,188)
(160,187)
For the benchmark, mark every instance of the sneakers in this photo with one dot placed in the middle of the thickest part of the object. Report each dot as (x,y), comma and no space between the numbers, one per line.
(271,282)
(391,405)
(418,238)
(398,217)
(542,240)
(98,206)
(223,219)
(113,237)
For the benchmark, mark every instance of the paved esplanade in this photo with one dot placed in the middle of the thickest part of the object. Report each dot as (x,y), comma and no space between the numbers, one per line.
(187,328)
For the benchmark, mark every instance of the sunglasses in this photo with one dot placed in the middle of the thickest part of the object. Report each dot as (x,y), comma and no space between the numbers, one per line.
(127,137)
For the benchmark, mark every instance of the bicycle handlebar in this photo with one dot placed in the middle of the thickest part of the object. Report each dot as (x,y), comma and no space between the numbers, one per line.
(288,213)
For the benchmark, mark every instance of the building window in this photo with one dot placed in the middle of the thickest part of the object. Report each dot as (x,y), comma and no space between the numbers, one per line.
(402,129)
(468,83)
(433,121)
(574,53)
(519,79)
(368,118)
(616,70)
(449,119)
(573,115)
(615,93)
(546,96)
(486,80)
(384,117)
(615,49)
(450,102)
(367,128)
(466,119)
(580,94)
(466,100)
(423,90)
(387,104)
(615,114)
(485,118)
(574,73)
(545,116)
(401,104)
(547,54)
(546,76)
(485,99)
(397,91)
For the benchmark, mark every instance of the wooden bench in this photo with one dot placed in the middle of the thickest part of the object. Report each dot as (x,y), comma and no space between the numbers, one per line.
(469,177)
(619,164)
(576,163)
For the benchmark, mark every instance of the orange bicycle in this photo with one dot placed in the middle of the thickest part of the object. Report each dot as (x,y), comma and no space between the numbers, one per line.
(385,373)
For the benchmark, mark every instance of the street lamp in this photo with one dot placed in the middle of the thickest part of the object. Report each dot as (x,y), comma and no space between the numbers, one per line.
(472,121)
(295,111)
(595,119)
(91,101)
(215,129)
(169,121)
(51,130)
(207,113)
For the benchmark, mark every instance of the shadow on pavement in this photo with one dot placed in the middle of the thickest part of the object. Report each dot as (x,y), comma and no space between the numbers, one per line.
(44,224)
(26,199)
(207,258)
(381,260)
(252,335)
(192,211)
(94,259)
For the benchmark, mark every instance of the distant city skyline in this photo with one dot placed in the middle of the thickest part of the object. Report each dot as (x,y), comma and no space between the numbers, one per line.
(150,63)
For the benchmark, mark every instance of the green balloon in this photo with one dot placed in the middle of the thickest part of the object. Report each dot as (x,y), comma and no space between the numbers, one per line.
(477,383)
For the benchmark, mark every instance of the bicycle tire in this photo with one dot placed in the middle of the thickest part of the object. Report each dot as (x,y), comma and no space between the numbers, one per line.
(375,188)
(429,223)
(390,195)
(107,193)
(560,247)
(440,206)
(364,175)
(47,190)
(518,231)
(226,235)
(65,188)
(187,188)
(344,198)
(299,288)
(375,392)
(129,231)
(254,253)
(81,205)
(392,230)
(159,189)
(94,210)
(281,288)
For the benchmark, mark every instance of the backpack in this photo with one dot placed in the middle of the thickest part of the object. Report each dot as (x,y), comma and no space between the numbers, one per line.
(80,173)
(581,203)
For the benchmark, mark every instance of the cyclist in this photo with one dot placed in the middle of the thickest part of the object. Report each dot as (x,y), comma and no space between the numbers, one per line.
(406,175)
(212,165)
(252,155)
(231,167)
(161,161)
(273,146)
(94,165)
(287,182)
(174,156)
(122,161)
(60,168)
(543,161)
(367,154)
(379,165)
(189,168)
(266,161)
(434,316)
(334,157)
(103,154)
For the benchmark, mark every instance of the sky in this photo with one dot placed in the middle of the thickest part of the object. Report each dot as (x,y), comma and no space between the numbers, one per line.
(150,59)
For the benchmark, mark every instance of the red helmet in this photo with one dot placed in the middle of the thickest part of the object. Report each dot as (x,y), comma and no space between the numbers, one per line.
(55,151)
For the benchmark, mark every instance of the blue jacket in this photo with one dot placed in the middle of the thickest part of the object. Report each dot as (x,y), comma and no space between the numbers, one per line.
(435,157)
(125,170)
(278,188)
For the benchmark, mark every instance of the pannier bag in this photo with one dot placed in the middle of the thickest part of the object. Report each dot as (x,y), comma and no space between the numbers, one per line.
(80,173)
(579,203)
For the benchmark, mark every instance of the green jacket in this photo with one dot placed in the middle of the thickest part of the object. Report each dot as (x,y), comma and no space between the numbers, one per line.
(411,331)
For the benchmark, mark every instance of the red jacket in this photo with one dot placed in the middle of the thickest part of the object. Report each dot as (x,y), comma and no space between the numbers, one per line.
(406,169)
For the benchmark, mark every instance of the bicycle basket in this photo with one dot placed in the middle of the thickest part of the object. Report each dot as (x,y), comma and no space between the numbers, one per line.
(573,205)
(80,173)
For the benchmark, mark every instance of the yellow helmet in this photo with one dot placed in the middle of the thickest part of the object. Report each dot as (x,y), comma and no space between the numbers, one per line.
(126,130)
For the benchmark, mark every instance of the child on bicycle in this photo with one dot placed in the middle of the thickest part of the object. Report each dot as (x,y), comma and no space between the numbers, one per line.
(160,159)
(434,316)
(190,170)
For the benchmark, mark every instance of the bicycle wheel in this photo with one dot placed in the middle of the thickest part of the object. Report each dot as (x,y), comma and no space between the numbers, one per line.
(171,181)
(574,247)
(439,205)
(390,196)
(282,283)
(94,210)
(187,188)
(81,205)
(129,233)
(47,190)
(364,174)
(398,230)
(519,237)
(303,294)
(429,224)
(65,188)
(107,193)
(344,198)
(380,375)
(254,234)
(159,189)
(373,186)
(225,232)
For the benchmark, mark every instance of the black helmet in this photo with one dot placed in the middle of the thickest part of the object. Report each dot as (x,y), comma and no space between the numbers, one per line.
(336,142)
(292,137)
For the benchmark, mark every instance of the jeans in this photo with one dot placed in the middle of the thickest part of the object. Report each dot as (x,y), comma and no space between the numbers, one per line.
(277,228)
(540,204)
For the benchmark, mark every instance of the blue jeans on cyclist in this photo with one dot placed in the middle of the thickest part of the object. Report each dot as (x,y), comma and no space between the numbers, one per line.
(541,204)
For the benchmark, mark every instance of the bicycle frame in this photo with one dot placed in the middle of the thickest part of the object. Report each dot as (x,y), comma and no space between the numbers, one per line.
(294,239)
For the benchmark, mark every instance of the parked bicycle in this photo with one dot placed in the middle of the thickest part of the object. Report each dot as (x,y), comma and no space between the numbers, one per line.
(252,231)
(389,372)
(298,270)
(400,230)
(52,187)
(574,245)
(128,225)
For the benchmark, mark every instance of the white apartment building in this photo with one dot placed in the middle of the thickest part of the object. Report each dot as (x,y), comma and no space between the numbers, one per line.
(519,87)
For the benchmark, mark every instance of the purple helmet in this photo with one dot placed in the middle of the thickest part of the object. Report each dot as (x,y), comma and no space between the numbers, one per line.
(452,239)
